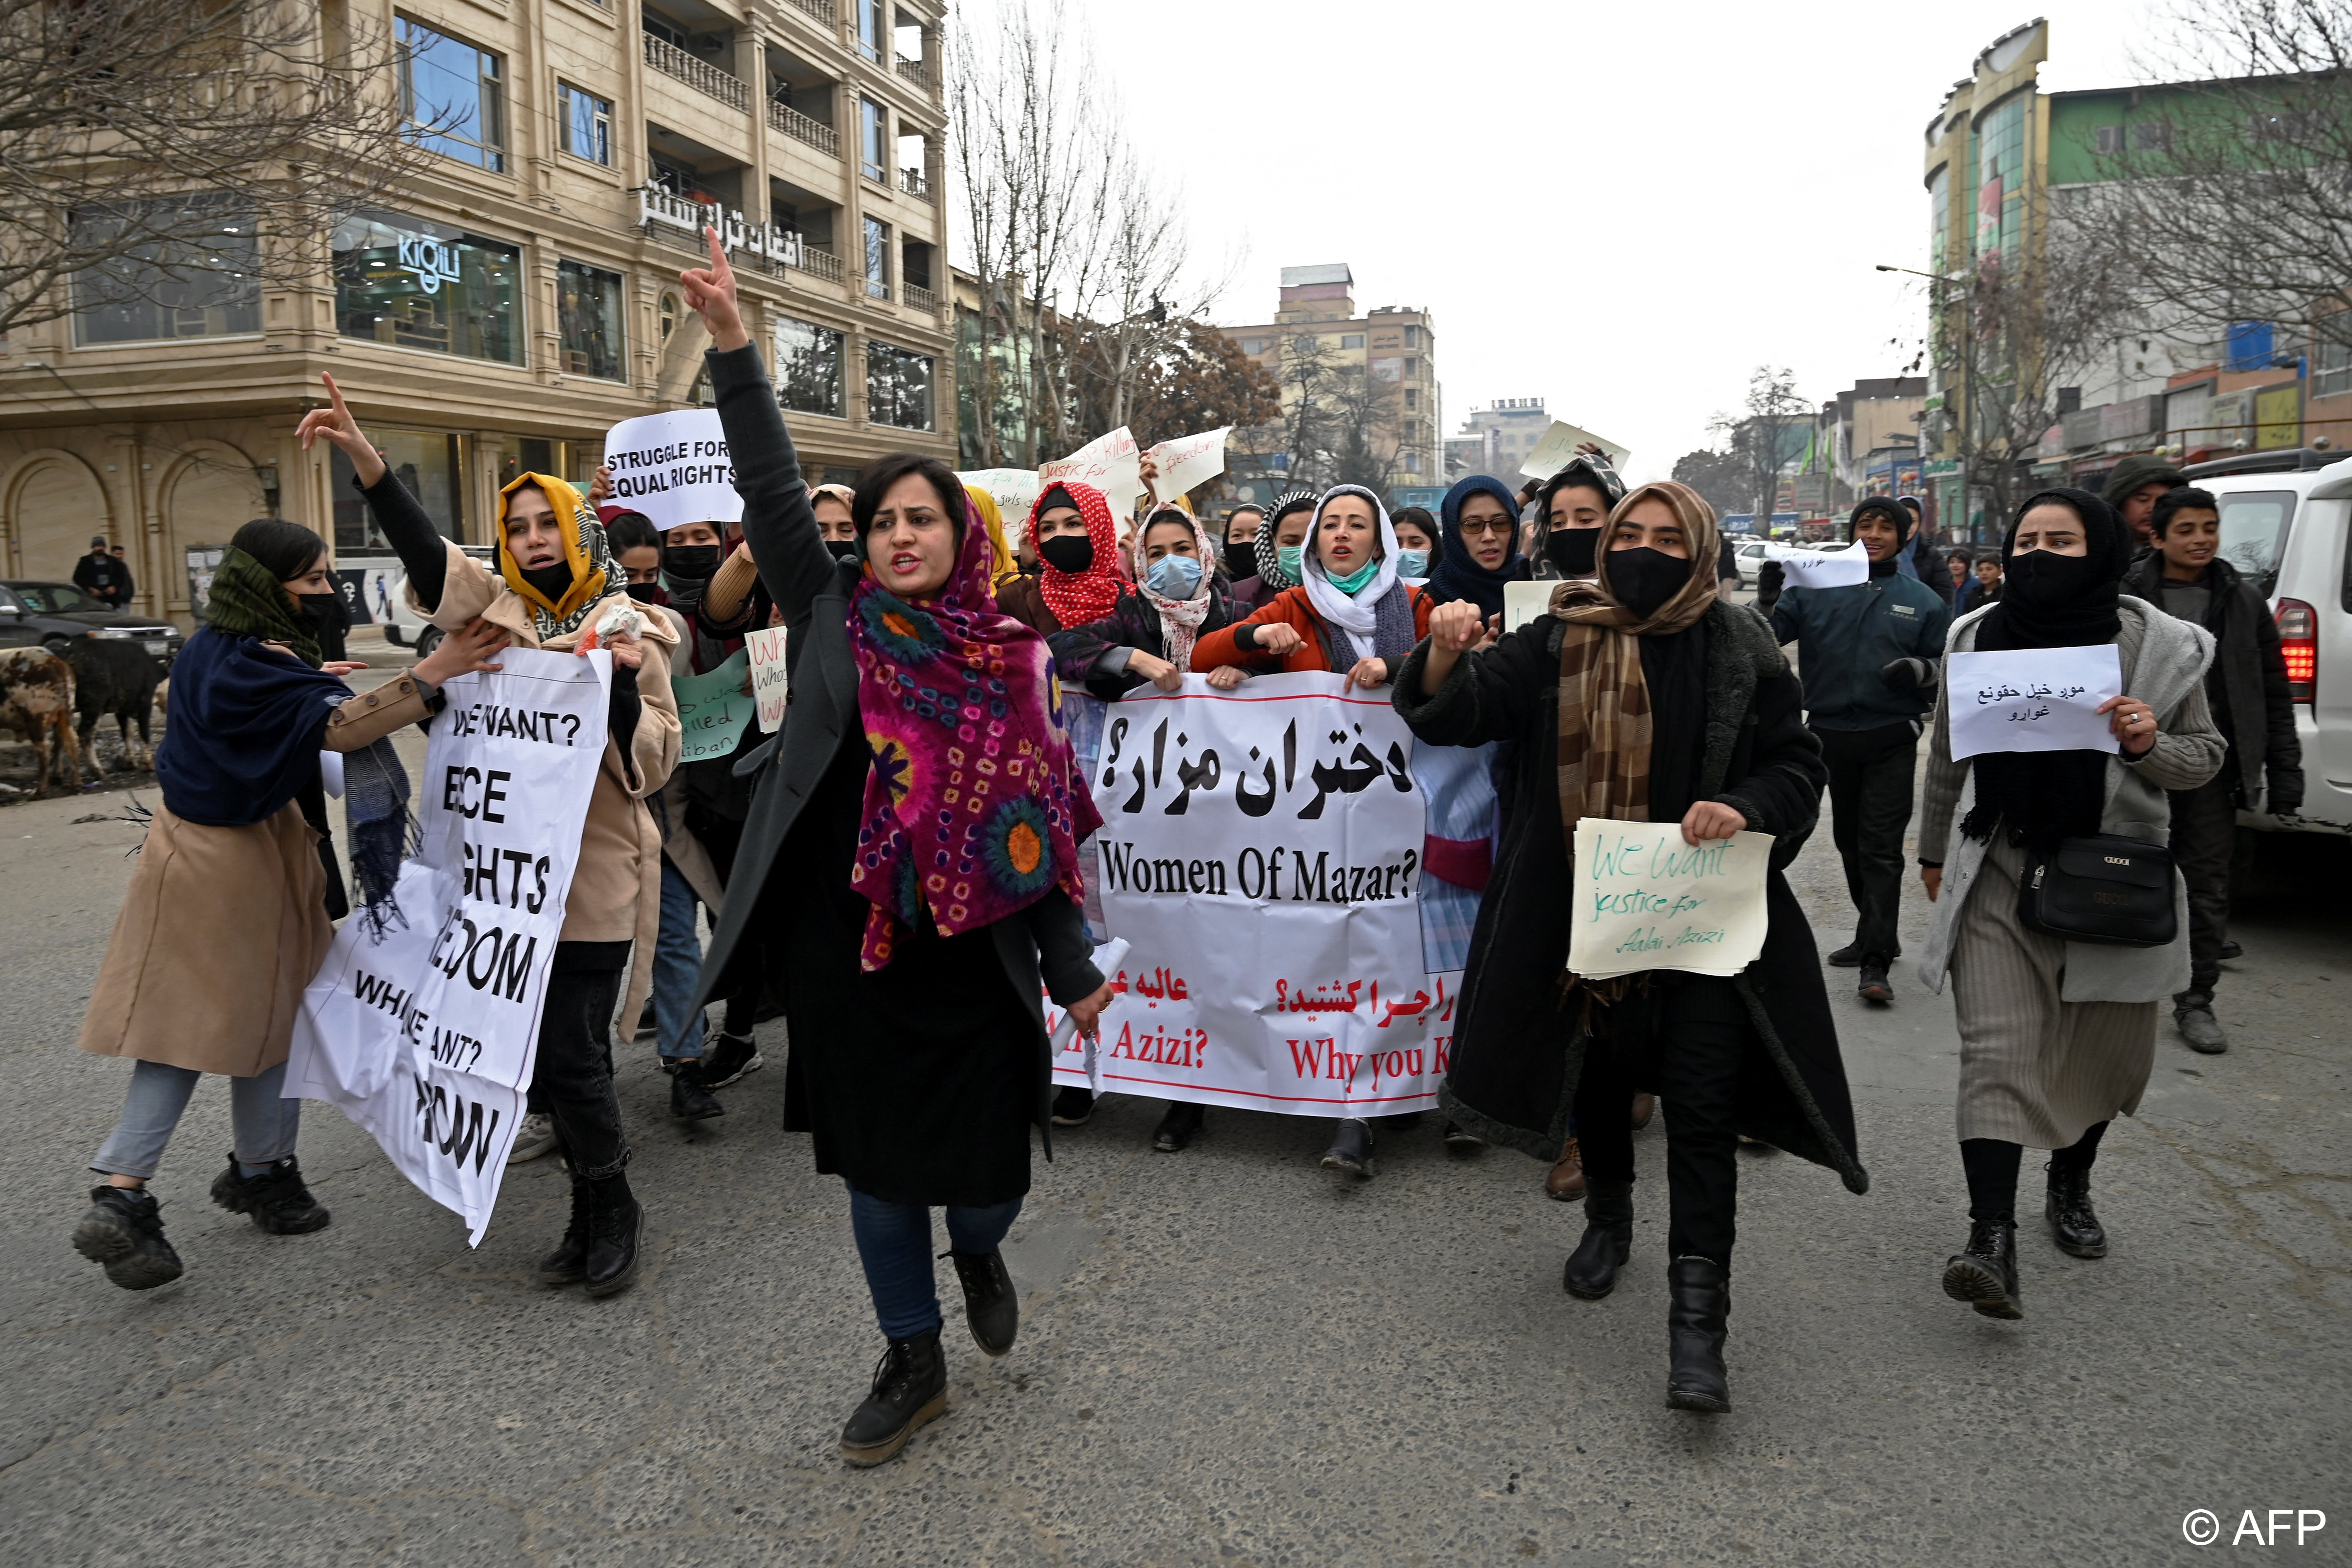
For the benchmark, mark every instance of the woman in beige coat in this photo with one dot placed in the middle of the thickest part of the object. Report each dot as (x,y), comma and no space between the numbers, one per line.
(554,585)
(226,917)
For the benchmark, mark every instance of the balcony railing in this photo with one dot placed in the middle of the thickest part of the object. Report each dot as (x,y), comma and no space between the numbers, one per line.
(820,9)
(915,71)
(918,297)
(817,263)
(911,181)
(801,128)
(697,73)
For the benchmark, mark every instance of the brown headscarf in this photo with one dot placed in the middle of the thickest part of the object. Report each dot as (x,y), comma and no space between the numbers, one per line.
(1604,701)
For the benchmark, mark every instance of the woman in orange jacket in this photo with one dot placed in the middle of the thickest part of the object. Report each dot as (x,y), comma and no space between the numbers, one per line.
(1349,615)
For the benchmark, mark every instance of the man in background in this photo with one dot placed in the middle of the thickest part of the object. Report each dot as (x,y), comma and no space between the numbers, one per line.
(100,576)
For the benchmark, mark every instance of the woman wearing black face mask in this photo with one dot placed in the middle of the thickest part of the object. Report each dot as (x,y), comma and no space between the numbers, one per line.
(1572,510)
(2056,1037)
(1641,697)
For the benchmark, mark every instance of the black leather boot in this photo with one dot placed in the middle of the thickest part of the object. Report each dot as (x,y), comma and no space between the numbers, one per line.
(1351,1151)
(123,1230)
(990,1306)
(1178,1127)
(568,1264)
(1984,1272)
(689,1100)
(1592,1271)
(2072,1225)
(616,1232)
(910,1387)
(276,1199)
(1698,1301)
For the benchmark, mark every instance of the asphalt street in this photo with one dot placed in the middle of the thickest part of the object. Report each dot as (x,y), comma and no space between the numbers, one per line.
(1227,1355)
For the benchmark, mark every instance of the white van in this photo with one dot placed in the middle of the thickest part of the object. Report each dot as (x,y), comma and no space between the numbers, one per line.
(2285,522)
(375,589)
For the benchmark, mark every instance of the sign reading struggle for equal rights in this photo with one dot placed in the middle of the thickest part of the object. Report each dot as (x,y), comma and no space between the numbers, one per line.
(1645,900)
(425,1033)
(674,467)
(1261,856)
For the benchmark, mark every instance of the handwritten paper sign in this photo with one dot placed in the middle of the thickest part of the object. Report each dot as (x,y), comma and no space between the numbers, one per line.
(1559,446)
(1645,900)
(674,467)
(766,647)
(1014,491)
(2032,699)
(712,710)
(1188,462)
(1821,569)
(1524,601)
(1109,463)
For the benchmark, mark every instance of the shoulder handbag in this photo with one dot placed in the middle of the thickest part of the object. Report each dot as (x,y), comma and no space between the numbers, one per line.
(2103,888)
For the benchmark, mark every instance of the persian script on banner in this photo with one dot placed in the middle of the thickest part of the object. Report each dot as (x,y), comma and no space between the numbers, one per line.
(2032,699)
(1261,855)
(426,1034)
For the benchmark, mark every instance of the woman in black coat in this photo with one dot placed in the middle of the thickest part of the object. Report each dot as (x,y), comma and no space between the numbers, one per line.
(1728,750)
(912,915)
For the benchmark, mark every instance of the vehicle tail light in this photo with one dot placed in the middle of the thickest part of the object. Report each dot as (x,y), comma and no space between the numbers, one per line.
(2298,630)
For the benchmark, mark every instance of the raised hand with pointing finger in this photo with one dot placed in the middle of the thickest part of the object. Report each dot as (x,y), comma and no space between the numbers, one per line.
(710,292)
(336,423)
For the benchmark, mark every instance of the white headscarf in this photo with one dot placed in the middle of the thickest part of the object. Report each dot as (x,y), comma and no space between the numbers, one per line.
(1179,619)
(1352,614)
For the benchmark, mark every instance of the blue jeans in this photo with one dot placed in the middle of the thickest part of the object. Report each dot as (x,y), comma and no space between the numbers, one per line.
(894,1243)
(678,961)
(264,1122)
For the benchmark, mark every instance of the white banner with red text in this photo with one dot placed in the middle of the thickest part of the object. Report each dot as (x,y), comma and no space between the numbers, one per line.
(425,1033)
(1260,855)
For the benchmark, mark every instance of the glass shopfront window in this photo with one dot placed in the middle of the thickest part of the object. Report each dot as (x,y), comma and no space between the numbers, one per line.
(415,283)
(198,277)
(424,460)
(808,367)
(588,313)
(898,387)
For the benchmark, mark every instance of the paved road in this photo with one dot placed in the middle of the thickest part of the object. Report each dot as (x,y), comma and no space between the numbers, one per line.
(1227,1356)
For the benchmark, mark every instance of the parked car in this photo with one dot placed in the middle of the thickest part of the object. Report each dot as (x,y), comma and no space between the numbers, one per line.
(2284,525)
(1747,555)
(55,613)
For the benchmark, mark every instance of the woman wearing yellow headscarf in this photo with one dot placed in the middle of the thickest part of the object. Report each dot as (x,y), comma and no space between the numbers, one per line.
(1007,565)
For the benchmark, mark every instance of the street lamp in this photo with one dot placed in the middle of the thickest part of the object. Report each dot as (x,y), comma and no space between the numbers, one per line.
(1968,382)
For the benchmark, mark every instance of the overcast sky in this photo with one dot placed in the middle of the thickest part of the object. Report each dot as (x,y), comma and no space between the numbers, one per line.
(1620,208)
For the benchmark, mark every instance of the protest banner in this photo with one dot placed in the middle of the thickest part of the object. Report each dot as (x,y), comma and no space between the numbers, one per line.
(1646,900)
(1261,854)
(1109,463)
(2032,699)
(674,467)
(1187,463)
(1014,490)
(712,710)
(768,685)
(1820,569)
(1559,446)
(425,1033)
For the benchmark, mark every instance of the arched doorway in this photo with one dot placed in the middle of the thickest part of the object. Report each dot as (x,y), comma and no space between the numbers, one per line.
(208,494)
(54,509)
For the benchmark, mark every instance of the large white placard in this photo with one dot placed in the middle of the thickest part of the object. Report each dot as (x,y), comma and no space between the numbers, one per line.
(426,1034)
(1014,490)
(2032,699)
(1646,900)
(674,467)
(1820,569)
(1188,462)
(1261,856)
(1559,446)
(1109,463)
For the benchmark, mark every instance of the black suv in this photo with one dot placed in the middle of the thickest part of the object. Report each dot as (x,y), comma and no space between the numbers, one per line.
(53,613)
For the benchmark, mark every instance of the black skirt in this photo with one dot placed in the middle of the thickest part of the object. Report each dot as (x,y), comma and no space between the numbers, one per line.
(918,1081)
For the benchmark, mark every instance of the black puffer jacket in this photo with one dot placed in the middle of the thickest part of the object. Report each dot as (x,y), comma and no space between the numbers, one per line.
(2246,683)
(1517,1056)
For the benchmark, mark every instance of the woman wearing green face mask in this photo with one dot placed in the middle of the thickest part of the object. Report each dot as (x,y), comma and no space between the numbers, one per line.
(1349,614)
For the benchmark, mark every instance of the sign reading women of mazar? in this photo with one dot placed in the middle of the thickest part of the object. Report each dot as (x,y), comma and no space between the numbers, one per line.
(1644,899)
(1260,854)
(425,1033)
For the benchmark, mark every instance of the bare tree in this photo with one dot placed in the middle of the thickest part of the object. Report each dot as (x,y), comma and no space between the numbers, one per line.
(1757,439)
(182,154)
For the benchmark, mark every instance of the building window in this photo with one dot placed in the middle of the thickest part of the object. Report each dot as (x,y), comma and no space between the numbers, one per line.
(1352,340)
(2332,369)
(1412,463)
(1413,337)
(196,282)
(588,309)
(877,259)
(1412,397)
(898,387)
(1253,345)
(1306,344)
(808,367)
(872,25)
(2151,136)
(426,464)
(669,309)
(1413,367)
(417,284)
(872,121)
(587,124)
(451,96)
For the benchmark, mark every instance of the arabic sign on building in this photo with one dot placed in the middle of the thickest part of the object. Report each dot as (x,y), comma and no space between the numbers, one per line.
(1261,854)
